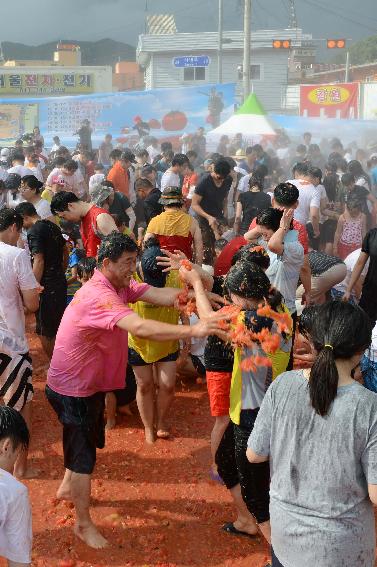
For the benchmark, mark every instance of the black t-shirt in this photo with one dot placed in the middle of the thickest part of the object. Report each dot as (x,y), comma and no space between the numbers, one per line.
(45,237)
(218,355)
(152,207)
(252,204)
(321,262)
(370,283)
(213,196)
(120,206)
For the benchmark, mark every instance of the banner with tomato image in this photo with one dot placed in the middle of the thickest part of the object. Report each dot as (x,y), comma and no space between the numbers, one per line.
(131,117)
(340,100)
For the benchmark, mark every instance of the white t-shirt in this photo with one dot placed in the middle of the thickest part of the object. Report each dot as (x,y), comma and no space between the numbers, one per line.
(284,269)
(170,179)
(309,196)
(74,183)
(15,520)
(43,209)
(322,196)
(243,184)
(14,199)
(21,170)
(350,263)
(153,152)
(37,171)
(16,275)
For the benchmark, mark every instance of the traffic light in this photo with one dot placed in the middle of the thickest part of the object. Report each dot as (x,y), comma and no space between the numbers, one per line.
(336,43)
(281,44)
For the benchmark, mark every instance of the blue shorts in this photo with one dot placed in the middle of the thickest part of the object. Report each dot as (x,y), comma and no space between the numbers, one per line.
(338,295)
(369,372)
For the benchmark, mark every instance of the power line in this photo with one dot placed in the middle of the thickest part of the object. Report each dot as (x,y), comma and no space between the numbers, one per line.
(337,14)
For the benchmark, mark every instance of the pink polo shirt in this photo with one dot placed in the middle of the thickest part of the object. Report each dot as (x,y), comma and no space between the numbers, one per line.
(91,352)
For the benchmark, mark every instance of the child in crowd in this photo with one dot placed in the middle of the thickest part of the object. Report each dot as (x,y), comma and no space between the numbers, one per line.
(121,226)
(97,177)
(249,288)
(85,269)
(75,255)
(118,401)
(15,512)
(190,363)
(351,229)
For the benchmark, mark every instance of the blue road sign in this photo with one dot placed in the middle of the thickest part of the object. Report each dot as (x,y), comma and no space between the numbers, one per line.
(191,61)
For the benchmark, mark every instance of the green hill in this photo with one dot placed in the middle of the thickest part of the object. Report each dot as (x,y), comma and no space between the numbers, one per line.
(364,51)
(102,52)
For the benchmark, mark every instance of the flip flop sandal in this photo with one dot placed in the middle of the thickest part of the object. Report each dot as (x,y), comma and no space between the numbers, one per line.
(215,476)
(230,529)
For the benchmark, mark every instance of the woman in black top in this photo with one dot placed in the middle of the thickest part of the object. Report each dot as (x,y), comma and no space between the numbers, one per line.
(368,300)
(249,204)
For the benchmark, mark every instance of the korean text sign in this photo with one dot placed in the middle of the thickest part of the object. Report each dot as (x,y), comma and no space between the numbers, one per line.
(340,100)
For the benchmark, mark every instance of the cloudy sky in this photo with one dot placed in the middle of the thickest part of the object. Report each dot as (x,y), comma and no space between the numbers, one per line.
(124,19)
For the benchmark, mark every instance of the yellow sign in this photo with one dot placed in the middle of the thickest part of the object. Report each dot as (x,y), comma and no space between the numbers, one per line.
(327,95)
(46,84)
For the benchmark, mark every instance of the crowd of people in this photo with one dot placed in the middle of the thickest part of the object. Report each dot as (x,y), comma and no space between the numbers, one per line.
(253,268)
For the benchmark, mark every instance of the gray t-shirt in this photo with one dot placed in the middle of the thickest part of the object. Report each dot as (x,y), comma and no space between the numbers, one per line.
(320,467)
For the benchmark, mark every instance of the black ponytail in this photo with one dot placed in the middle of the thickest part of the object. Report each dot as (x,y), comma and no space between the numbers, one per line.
(338,331)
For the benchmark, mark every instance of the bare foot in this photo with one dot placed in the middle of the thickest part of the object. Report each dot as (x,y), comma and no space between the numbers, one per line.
(125,410)
(26,474)
(163,433)
(110,424)
(149,436)
(63,494)
(90,535)
(246,527)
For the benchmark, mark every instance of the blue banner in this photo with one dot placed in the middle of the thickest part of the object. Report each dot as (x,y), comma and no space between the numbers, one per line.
(163,113)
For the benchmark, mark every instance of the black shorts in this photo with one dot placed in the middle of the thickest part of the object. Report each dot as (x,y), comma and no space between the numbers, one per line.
(198,365)
(83,428)
(328,229)
(52,305)
(128,393)
(135,359)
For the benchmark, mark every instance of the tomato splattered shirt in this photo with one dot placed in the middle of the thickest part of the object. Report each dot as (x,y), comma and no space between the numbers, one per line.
(91,352)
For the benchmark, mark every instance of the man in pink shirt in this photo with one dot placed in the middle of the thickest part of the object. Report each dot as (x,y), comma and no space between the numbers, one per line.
(90,359)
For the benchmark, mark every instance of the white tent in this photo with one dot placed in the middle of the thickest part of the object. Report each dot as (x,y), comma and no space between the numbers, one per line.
(250,120)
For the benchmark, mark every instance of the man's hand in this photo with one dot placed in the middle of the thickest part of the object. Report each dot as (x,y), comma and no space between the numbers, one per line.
(171,261)
(347,296)
(286,219)
(209,326)
(216,301)
(306,299)
(212,221)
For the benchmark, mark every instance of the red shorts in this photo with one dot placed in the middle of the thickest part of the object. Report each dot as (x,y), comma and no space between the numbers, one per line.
(218,385)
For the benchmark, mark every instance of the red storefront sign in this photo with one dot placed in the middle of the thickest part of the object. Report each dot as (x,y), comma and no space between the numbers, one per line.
(340,100)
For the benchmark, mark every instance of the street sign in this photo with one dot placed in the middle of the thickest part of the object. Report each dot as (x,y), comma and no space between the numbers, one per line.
(192,61)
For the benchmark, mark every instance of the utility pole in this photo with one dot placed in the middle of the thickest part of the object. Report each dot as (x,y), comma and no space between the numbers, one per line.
(347,70)
(220,44)
(246,48)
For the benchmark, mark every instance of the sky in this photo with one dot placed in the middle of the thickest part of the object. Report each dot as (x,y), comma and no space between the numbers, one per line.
(123,20)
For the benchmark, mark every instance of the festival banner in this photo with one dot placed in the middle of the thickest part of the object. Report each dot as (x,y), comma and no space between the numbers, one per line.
(45,84)
(166,114)
(339,100)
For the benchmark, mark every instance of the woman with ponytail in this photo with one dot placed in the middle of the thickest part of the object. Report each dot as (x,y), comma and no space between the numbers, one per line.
(318,427)
(248,287)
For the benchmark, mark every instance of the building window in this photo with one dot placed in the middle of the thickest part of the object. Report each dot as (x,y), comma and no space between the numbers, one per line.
(194,74)
(255,72)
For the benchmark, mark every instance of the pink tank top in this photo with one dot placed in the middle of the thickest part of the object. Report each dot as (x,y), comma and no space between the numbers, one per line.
(352,232)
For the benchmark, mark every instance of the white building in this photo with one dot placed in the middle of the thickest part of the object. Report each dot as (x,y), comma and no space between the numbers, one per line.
(165,59)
